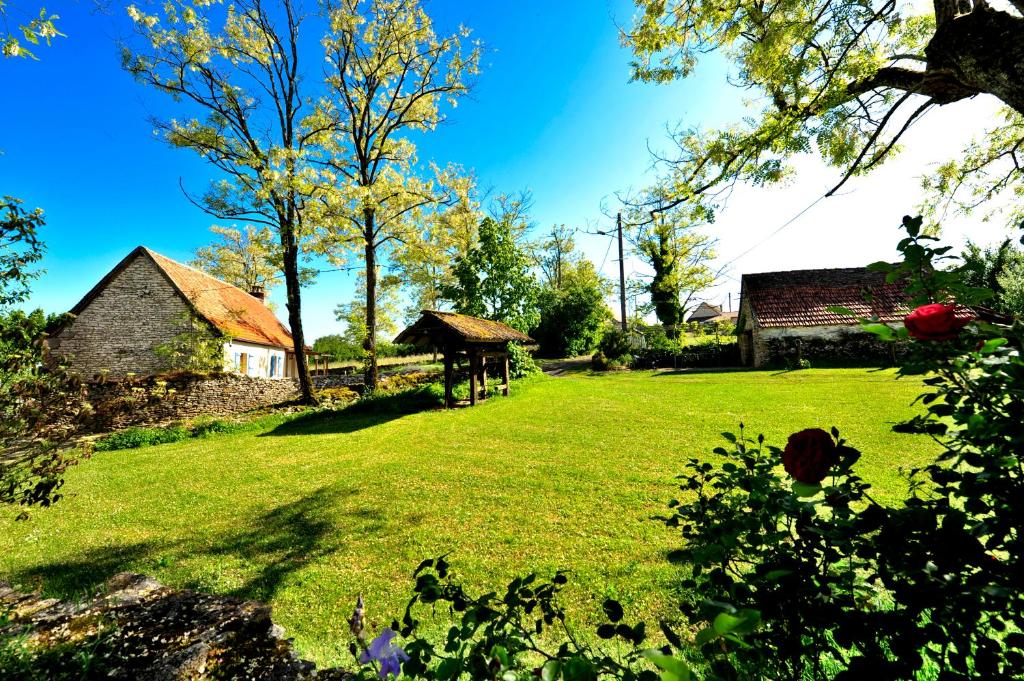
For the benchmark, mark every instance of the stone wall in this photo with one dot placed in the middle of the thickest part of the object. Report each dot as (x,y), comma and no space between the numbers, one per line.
(822,346)
(117,331)
(163,399)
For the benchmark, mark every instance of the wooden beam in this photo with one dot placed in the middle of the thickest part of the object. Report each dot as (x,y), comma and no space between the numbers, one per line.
(472,377)
(483,378)
(504,376)
(449,362)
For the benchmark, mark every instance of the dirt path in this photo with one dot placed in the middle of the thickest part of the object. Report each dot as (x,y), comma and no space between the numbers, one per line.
(562,367)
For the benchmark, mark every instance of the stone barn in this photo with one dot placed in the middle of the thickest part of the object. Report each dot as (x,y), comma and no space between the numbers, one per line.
(784,317)
(147,300)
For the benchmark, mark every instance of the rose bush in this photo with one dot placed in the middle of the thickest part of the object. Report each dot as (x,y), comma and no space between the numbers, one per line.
(809,455)
(935,322)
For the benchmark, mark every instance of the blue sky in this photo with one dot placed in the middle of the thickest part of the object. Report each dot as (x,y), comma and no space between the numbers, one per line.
(553,112)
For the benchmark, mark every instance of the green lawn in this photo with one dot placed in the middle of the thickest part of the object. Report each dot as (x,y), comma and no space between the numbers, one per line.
(566,473)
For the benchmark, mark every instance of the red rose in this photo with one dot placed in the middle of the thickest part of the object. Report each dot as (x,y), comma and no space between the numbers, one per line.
(809,455)
(934,322)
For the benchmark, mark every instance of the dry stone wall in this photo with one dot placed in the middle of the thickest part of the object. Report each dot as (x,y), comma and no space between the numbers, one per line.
(163,399)
(116,333)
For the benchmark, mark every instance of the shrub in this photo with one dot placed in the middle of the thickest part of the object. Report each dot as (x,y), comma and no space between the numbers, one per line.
(341,395)
(847,588)
(520,362)
(133,438)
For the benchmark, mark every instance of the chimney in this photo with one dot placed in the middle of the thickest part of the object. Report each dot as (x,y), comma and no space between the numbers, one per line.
(259,293)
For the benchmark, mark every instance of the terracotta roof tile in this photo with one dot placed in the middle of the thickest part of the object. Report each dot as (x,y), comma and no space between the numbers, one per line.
(802,297)
(237,313)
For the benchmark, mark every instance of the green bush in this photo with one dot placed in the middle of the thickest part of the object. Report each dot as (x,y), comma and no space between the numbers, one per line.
(520,362)
(133,438)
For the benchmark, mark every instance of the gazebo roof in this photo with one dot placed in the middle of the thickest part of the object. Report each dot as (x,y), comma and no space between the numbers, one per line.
(434,327)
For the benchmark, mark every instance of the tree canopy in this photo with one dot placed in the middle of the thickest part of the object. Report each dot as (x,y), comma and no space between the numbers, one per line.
(493,280)
(844,79)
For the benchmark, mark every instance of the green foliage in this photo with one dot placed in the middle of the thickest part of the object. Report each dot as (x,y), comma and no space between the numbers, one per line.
(137,436)
(133,438)
(679,257)
(846,587)
(249,258)
(343,348)
(196,346)
(20,250)
(41,404)
(388,312)
(42,28)
(1000,270)
(502,637)
(844,80)
(520,362)
(574,316)
(493,279)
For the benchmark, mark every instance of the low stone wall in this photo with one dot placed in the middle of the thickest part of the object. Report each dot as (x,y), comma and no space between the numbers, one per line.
(137,628)
(162,399)
(823,346)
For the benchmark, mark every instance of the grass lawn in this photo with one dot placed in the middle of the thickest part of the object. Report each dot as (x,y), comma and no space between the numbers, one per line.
(566,473)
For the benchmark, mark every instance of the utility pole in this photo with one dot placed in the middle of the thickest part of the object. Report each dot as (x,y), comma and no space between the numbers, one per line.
(622,274)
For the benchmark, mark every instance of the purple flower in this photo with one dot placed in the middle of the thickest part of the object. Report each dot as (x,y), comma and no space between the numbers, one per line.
(385,653)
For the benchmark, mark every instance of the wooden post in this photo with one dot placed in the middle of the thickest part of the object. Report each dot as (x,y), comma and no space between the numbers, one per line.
(504,389)
(483,378)
(449,362)
(472,376)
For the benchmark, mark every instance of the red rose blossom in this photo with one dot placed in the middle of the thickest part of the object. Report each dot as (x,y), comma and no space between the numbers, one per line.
(809,455)
(935,322)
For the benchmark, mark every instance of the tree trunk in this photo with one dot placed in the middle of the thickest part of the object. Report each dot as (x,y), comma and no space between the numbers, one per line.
(982,51)
(370,341)
(291,279)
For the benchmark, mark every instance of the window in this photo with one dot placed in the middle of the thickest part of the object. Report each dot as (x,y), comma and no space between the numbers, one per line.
(238,361)
(273,366)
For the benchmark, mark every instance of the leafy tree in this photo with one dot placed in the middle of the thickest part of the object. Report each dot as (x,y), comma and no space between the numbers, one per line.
(845,79)
(20,250)
(1000,270)
(42,27)
(573,317)
(389,75)
(556,252)
(493,279)
(241,89)
(425,264)
(388,311)
(679,257)
(41,404)
(247,258)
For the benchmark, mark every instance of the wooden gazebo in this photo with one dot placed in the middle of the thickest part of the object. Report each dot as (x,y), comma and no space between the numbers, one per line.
(458,336)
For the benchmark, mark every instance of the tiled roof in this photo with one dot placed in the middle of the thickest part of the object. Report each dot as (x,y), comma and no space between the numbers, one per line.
(463,327)
(237,313)
(802,297)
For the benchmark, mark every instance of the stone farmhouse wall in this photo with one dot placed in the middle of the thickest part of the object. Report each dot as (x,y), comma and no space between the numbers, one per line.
(821,346)
(137,311)
(156,400)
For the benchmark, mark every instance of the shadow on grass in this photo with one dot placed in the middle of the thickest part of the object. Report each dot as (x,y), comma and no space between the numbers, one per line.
(270,548)
(368,412)
(690,371)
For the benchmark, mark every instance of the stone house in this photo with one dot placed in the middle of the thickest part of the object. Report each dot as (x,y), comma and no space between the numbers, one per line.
(147,300)
(784,316)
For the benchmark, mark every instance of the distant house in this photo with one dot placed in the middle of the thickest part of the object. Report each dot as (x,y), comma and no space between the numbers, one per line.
(142,303)
(785,316)
(704,312)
